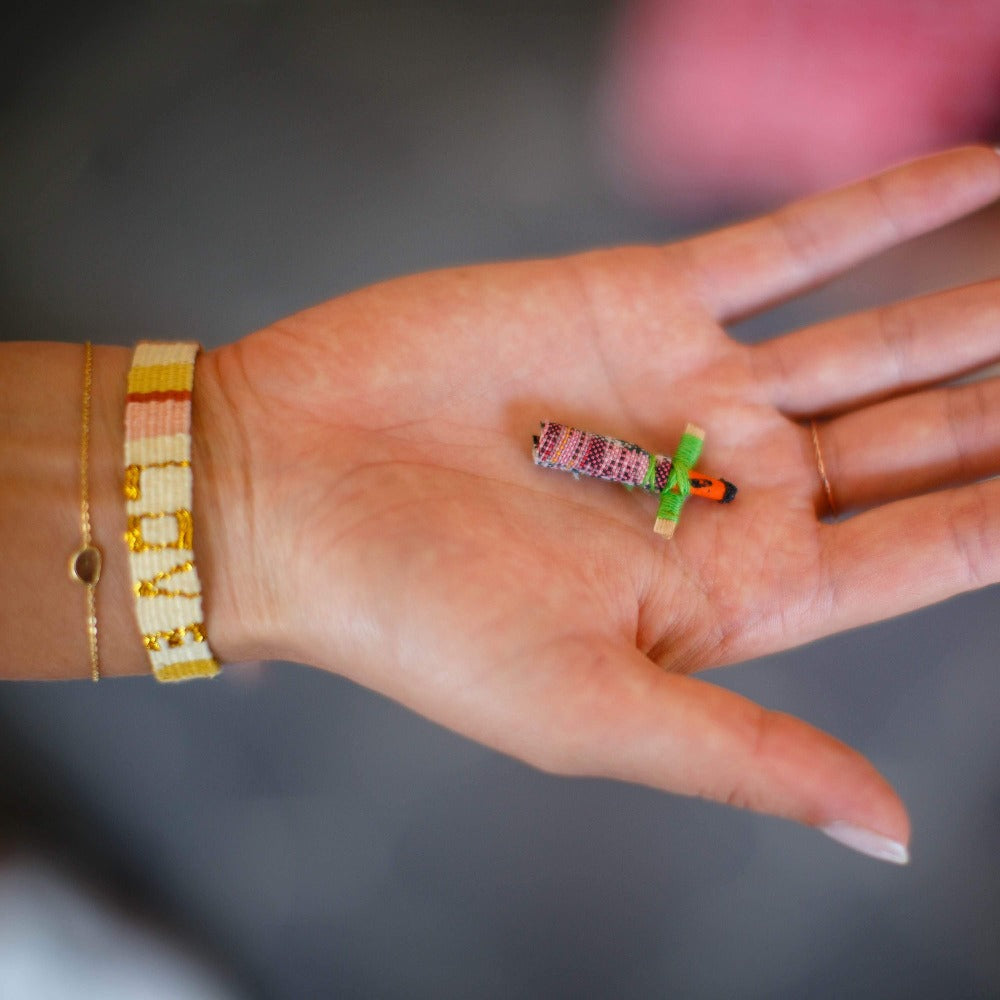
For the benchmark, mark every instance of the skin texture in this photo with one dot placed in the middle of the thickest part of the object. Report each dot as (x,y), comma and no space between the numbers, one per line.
(366,503)
(393,528)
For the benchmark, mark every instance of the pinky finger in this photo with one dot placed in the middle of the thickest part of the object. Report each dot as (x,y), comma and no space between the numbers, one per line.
(912,553)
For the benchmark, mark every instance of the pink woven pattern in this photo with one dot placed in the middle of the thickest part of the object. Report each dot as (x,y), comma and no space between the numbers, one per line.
(155,418)
(588,454)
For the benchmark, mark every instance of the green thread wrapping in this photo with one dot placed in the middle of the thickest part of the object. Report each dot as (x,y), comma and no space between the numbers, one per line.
(649,480)
(675,493)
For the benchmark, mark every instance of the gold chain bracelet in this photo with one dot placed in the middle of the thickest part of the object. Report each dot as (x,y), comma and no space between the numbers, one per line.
(85,563)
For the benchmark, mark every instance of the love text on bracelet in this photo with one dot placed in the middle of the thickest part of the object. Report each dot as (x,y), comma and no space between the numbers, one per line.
(672,479)
(158,496)
(85,563)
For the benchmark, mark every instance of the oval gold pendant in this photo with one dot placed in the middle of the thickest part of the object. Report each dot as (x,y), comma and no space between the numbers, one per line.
(85,565)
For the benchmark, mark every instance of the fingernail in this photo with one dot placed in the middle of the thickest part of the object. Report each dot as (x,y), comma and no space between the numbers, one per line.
(867,842)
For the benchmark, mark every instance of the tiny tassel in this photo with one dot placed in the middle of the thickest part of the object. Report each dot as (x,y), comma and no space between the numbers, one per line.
(678,486)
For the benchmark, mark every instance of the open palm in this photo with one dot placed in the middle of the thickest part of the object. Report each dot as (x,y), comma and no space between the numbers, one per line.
(408,541)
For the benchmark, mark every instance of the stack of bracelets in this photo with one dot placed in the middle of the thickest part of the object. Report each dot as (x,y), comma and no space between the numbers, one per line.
(160,524)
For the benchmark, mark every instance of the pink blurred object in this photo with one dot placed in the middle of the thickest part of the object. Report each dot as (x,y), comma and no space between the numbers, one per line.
(747,102)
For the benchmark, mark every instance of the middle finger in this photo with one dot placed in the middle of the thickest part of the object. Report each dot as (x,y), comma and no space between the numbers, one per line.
(851,360)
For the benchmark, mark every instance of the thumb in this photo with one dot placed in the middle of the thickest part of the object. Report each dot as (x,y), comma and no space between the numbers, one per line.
(688,736)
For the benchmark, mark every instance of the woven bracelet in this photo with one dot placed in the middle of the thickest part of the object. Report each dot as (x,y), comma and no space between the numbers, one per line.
(158,495)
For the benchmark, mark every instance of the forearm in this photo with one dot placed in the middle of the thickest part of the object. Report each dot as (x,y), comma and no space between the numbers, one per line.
(43,633)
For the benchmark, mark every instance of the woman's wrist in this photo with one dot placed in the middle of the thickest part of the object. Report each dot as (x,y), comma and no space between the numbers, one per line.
(242,604)
(223,554)
(43,616)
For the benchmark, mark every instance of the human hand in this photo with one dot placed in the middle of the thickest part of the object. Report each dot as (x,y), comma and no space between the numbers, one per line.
(392,527)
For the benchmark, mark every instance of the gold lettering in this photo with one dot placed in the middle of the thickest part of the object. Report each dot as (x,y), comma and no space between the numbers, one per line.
(174,637)
(133,536)
(132,488)
(151,587)
(185,531)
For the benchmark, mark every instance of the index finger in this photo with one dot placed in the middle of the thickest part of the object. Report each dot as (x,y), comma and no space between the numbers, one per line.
(755,264)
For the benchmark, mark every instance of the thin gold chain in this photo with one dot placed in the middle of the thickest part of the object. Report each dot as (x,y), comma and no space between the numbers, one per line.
(88,381)
(85,564)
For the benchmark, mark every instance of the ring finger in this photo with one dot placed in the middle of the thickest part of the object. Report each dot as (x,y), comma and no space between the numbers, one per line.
(906,446)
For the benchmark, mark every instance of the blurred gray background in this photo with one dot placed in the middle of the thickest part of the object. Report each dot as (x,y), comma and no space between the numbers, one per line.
(201,169)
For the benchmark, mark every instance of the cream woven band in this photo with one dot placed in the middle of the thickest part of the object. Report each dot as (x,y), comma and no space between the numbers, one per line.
(158,495)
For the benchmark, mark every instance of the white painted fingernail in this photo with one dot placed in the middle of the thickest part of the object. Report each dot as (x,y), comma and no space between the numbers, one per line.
(867,842)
